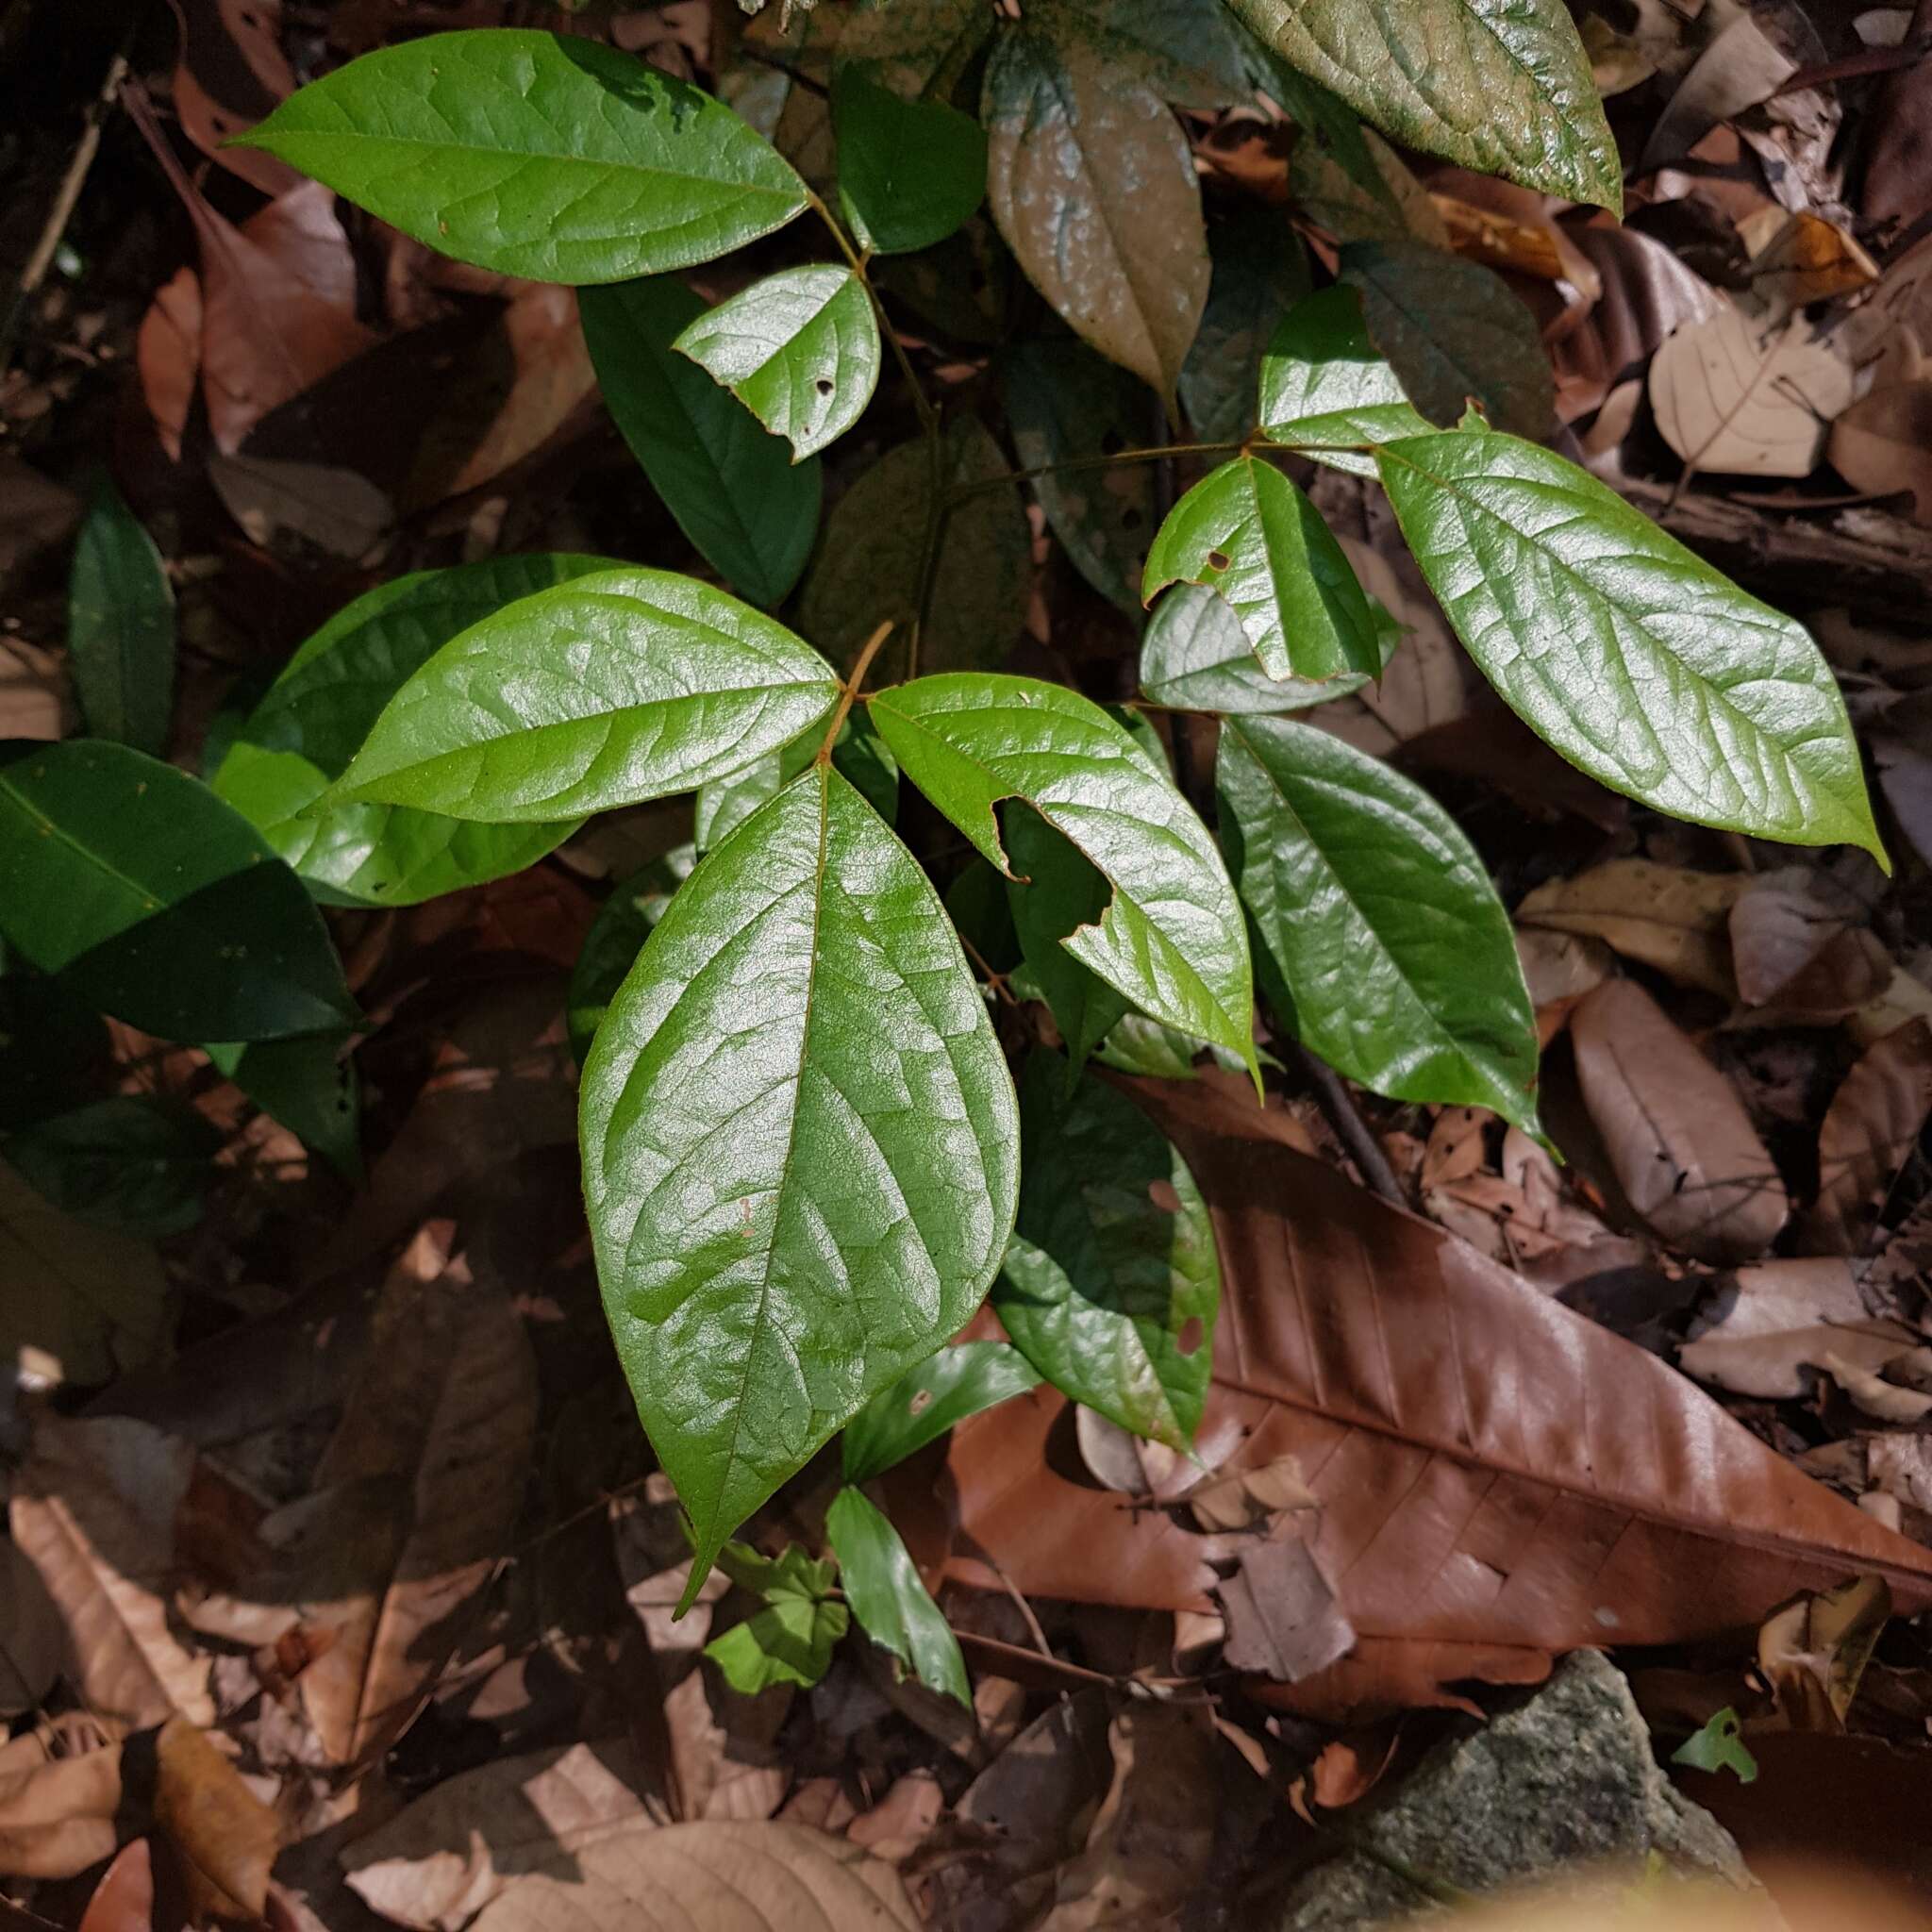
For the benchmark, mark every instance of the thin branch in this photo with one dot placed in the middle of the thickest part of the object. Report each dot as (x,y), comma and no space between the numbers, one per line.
(850,691)
(1346,1117)
(1160,453)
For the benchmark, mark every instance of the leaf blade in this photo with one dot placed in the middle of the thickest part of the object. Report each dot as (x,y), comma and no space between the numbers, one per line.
(927,1401)
(893,1606)
(910,171)
(1322,381)
(121,626)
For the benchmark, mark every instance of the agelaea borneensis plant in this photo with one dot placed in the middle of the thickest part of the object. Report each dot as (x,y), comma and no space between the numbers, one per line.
(805,1160)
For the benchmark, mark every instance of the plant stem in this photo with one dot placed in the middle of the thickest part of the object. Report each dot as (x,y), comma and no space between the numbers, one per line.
(850,691)
(1337,1103)
(1160,453)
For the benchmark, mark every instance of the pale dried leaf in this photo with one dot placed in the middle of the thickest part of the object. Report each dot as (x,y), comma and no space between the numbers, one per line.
(1283,1620)
(1666,916)
(1561,967)
(36,694)
(1872,1126)
(1871,1391)
(1768,1326)
(1901,1465)
(57,1818)
(1883,445)
(224,1837)
(1250,1499)
(335,510)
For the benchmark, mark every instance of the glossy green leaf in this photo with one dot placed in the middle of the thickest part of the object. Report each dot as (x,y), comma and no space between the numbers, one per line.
(950,1385)
(1383,941)
(617,935)
(1260,272)
(314,719)
(1092,184)
(867,567)
(800,350)
(1111,1284)
(1455,334)
(1195,657)
(155,901)
(127,1164)
(789,1639)
(1190,55)
(1064,403)
(1636,659)
(1322,381)
(858,752)
(548,155)
(1252,537)
(750,511)
(799,1147)
(310,1085)
(1139,1046)
(1389,205)
(1502,86)
(1173,938)
(894,1607)
(621,686)
(910,171)
(121,626)
(1056,890)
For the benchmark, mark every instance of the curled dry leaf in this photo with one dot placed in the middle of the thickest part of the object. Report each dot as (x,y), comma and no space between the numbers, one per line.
(1682,1147)
(1768,1327)
(231,73)
(167,354)
(1646,293)
(1871,1128)
(224,1837)
(1499,1478)
(1666,916)
(1813,1650)
(56,1816)
(1872,1390)
(1283,1621)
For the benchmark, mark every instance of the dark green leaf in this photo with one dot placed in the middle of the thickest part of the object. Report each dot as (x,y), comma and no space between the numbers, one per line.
(1332,128)
(1111,1284)
(1260,271)
(1092,183)
(800,350)
(1453,333)
(314,719)
(860,753)
(1064,403)
(893,1606)
(1141,1045)
(616,936)
(964,290)
(1502,86)
(867,761)
(910,171)
(1389,205)
(155,901)
(130,1165)
(927,1401)
(310,1085)
(1188,54)
(732,484)
(121,626)
(1637,660)
(976,905)
(799,1147)
(1172,940)
(1195,657)
(1322,381)
(548,155)
(1252,537)
(789,1641)
(52,1047)
(626,685)
(1377,920)
(1062,892)
(868,568)
(1719,1746)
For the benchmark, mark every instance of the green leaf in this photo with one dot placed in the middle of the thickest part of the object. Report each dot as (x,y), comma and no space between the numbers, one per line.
(1062,892)
(799,349)
(1453,333)
(868,568)
(310,1085)
(1636,659)
(1195,657)
(858,752)
(1145,1046)
(617,935)
(799,1147)
(789,1641)
(927,1401)
(121,626)
(155,901)
(1172,940)
(1382,201)
(910,171)
(1383,940)
(731,485)
(621,686)
(1064,403)
(1092,184)
(1260,270)
(1322,381)
(1252,537)
(1502,86)
(893,1606)
(1111,1283)
(547,155)
(133,1166)
(1189,56)
(314,719)
(1719,1746)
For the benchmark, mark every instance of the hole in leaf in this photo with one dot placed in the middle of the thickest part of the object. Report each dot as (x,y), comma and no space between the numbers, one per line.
(919,1403)
(1163,1196)
(1218,560)
(823,385)
(1189,1339)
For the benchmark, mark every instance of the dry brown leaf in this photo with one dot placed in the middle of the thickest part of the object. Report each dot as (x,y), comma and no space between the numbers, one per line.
(1739,68)
(231,73)
(1800,258)
(167,354)
(1768,1326)
(33,1639)
(123,1901)
(1781,923)
(1500,1478)
(1646,292)
(1814,1650)
(1561,967)
(1250,1499)
(1283,1621)
(36,694)
(708,1878)
(1682,1146)
(36,512)
(224,1839)
(441,1861)
(339,512)
(1730,399)
(1883,445)
(1665,916)
(1901,1465)
(1870,1128)
(903,1819)
(94,1508)
(1898,170)
(57,1818)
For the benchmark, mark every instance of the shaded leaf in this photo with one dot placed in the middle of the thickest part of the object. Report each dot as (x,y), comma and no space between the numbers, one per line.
(33,1639)
(789,1639)
(1384,944)
(927,1401)
(1770,1328)
(539,154)
(224,1837)
(121,626)
(1110,1284)
(1195,657)
(1879,443)
(1373,198)
(1283,1620)
(1260,271)
(128,1164)
(1636,659)
(731,485)
(910,171)
(1718,1747)
(1193,59)
(894,1607)
(799,349)
(780,1231)
(310,1085)
(1666,916)
(1870,1130)
(1324,382)
(1062,892)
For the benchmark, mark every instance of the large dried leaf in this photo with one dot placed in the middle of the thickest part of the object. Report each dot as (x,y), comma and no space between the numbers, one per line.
(57,1818)
(1769,1327)
(224,1838)
(1499,1478)
(1869,1129)
(1883,443)
(1666,916)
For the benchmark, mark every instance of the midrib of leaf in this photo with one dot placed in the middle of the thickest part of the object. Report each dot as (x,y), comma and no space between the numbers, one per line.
(49,829)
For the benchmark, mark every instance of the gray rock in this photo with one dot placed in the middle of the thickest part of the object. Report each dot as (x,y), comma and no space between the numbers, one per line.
(1565,1781)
